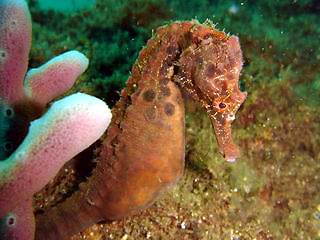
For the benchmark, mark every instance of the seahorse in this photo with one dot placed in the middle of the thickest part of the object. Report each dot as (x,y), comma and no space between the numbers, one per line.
(143,151)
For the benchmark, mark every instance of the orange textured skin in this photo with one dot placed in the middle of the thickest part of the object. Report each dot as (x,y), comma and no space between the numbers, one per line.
(143,150)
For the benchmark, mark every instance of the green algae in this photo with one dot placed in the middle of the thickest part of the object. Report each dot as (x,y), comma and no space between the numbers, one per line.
(272,192)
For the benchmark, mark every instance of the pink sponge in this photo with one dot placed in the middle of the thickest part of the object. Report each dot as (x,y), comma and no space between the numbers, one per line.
(55,77)
(69,126)
(42,84)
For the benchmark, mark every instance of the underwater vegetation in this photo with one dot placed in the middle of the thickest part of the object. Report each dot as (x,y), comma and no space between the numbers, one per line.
(272,191)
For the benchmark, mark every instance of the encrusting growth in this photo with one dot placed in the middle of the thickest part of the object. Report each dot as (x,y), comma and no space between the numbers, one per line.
(144,148)
(68,127)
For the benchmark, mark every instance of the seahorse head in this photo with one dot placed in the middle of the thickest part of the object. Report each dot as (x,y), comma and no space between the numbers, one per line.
(215,60)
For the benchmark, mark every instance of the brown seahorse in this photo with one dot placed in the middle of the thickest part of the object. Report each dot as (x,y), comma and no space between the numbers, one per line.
(144,148)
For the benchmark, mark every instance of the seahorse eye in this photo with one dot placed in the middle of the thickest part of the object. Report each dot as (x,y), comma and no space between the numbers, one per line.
(222,105)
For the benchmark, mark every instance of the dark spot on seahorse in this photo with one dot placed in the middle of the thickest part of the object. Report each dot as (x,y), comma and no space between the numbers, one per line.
(164,81)
(169,109)
(211,70)
(151,113)
(149,95)
(165,91)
